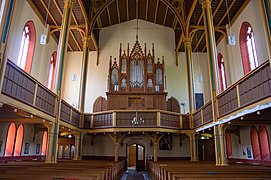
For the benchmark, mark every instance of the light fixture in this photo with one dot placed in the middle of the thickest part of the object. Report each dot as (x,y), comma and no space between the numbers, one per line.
(43,36)
(231,37)
(137,121)
(242,118)
(69,136)
(15,110)
(258,112)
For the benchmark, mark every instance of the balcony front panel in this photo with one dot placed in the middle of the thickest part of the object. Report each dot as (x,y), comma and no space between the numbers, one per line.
(130,119)
(197,119)
(207,113)
(170,120)
(103,120)
(65,112)
(45,100)
(75,117)
(18,85)
(228,101)
(256,87)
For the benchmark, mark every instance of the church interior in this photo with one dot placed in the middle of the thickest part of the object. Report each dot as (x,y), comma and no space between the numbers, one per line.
(135,89)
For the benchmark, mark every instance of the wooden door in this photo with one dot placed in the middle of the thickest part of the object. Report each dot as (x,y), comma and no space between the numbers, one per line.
(206,150)
(140,158)
(131,156)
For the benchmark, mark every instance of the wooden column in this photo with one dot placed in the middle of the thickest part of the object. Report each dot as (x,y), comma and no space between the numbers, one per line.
(61,53)
(193,146)
(51,156)
(77,153)
(213,66)
(223,157)
(190,78)
(7,23)
(265,8)
(84,68)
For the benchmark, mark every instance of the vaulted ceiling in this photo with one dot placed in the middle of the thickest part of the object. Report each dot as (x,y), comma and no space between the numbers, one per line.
(98,14)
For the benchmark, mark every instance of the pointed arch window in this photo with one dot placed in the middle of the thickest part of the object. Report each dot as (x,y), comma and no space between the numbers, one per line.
(10,139)
(264,143)
(255,143)
(27,47)
(248,48)
(19,140)
(44,143)
(228,145)
(52,70)
(221,72)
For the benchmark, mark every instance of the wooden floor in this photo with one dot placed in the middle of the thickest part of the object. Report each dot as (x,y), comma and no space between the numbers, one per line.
(63,170)
(185,170)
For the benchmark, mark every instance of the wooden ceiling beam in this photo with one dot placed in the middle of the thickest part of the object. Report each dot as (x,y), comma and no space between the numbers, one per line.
(53,19)
(118,11)
(165,18)
(147,10)
(222,19)
(84,12)
(127,10)
(156,11)
(136,9)
(72,34)
(108,15)
(190,15)
(200,20)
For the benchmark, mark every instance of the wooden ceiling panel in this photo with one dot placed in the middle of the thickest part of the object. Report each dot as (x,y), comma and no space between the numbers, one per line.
(132,9)
(151,10)
(78,13)
(161,12)
(104,18)
(196,15)
(170,19)
(113,13)
(116,12)
(142,9)
(123,10)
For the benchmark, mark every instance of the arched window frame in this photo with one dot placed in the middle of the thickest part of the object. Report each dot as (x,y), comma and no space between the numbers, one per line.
(19,140)
(264,143)
(10,140)
(228,145)
(255,143)
(44,143)
(28,41)
(221,72)
(52,71)
(248,48)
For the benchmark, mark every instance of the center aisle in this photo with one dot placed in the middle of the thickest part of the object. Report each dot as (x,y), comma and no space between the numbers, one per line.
(135,175)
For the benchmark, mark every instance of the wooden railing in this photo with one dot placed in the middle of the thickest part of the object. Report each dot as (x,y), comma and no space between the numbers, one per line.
(22,87)
(252,88)
(145,118)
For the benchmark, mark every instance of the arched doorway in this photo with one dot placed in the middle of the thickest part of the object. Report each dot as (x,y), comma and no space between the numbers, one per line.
(206,147)
(135,154)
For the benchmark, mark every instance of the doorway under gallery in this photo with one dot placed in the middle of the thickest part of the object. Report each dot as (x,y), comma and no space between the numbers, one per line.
(135,155)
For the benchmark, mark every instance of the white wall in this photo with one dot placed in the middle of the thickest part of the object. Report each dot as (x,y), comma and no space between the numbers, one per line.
(3,137)
(71,87)
(232,55)
(164,44)
(42,54)
(201,68)
(104,146)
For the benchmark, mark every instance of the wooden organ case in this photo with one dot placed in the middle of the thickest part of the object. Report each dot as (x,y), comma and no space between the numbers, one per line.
(136,81)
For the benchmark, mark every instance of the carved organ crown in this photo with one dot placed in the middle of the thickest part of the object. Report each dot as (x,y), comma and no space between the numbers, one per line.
(136,71)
